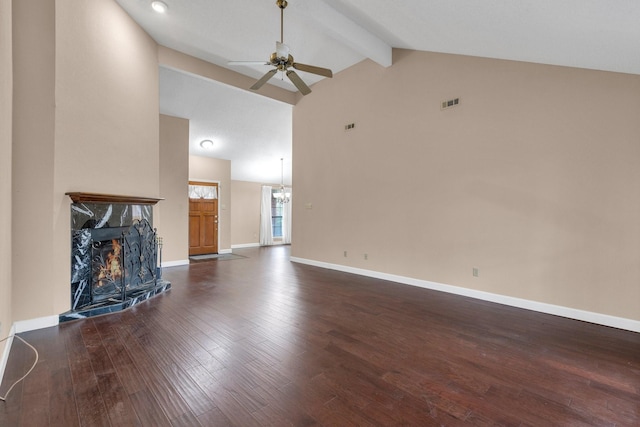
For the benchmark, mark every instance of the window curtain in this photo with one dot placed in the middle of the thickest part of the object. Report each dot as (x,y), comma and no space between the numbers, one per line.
(286,218)
(202,192)
(266,232)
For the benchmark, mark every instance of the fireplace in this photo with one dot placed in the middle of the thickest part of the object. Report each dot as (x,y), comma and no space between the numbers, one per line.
(107,266)
(114,254)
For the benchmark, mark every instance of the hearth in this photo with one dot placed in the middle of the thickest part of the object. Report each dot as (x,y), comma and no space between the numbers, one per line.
(114,254)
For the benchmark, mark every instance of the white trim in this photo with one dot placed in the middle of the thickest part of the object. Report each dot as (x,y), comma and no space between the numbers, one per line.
(175,263)
(572,313)
(37,323)
(245,245)
(5,353)
(225,251)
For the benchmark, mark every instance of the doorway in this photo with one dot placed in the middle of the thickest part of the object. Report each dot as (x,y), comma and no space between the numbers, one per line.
(203,218)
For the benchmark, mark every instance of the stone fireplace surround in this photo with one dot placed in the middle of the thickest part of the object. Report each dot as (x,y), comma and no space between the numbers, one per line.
(114,254)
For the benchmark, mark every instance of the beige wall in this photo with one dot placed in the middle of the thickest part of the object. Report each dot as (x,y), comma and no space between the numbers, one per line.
(533,179)
(33,292)
(245,215)
(172,214)
(102,117)
(107,104)
(6,98)
(216,170)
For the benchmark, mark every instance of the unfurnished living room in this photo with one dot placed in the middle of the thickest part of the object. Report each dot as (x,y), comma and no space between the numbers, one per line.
(319,213)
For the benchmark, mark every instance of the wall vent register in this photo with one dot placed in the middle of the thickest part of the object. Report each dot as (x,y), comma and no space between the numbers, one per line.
(449,103)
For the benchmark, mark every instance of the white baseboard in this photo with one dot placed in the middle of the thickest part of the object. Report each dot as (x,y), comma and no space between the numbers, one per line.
(572,313)
(5,353)
(24,326)
(225,251)
(37,323)
(175,263)
(245,245)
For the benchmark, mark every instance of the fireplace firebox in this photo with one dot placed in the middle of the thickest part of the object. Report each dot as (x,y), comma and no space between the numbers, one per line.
(114,254)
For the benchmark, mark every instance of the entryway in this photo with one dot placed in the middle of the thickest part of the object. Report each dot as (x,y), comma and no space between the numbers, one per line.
(203,218)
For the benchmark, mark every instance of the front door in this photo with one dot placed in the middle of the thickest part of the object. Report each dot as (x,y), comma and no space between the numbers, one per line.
(203,219)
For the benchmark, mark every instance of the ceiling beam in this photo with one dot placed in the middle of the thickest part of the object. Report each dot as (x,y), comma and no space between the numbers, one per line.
(180,61)
(346,31)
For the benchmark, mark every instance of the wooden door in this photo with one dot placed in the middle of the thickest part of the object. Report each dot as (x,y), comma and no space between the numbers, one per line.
(203,224)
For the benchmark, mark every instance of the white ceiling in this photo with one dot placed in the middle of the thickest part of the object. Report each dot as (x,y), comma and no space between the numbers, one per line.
(251,130)
(254,132)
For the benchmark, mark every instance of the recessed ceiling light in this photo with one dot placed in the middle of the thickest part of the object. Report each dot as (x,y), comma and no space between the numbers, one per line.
(159,6)
(207,144)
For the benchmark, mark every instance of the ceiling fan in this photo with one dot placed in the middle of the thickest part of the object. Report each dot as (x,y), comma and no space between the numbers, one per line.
(283,61)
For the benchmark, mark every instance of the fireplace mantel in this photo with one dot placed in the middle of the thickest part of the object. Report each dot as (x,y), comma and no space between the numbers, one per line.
(78,197)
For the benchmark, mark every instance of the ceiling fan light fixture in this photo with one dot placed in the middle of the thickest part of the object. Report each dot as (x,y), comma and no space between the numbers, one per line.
(282,60)
(159,6)
(282,50)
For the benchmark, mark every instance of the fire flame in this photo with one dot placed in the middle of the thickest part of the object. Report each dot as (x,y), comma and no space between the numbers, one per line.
(112,270)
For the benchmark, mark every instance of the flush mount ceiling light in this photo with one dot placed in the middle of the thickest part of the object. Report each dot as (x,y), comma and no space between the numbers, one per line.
(159,6)
(207,144)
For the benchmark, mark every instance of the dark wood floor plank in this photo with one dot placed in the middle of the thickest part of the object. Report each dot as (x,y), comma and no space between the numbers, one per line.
(214,417)
(131,378)
(162,389)
(62,402)
(117,402)
(89,403)
(261,341)
(17,366)
(36,390)
(193,395)
(148,410)
(222,398)
(186,420)
(283,408)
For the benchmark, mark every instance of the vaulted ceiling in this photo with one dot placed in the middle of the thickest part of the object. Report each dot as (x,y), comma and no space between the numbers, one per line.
(254,132)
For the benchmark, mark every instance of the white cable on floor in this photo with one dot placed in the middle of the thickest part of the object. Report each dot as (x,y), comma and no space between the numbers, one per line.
(4,398)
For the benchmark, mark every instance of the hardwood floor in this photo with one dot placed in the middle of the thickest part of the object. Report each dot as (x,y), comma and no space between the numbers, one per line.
(260,341)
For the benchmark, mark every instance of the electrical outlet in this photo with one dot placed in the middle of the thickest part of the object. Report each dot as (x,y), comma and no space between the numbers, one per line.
(476,272)
(345,254)
(366,256)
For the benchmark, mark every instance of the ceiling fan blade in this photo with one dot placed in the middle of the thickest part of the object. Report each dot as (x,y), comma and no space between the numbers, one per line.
(248,63)
(313,69)
(257,85)
(297,81)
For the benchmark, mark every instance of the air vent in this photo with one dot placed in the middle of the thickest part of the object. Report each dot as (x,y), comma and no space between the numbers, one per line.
(449,103)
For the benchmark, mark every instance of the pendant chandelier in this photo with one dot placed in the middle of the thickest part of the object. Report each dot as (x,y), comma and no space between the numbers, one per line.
(282,196)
